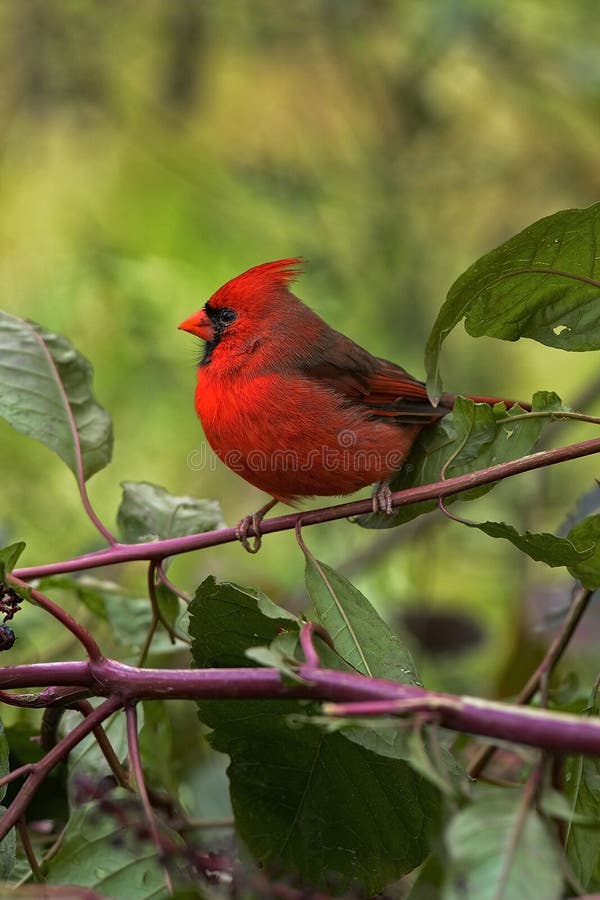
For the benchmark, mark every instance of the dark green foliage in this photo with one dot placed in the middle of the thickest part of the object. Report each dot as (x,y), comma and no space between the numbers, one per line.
(472,437)
(343,804)
(314,802)
(46,393)
(148,512)
(582,790)
(544,284)
(107,856)
(362,638)
(7,846)
(499,849)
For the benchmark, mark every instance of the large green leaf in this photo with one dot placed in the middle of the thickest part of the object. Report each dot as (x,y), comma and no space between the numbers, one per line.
(369,645)
(103,853)
(582,789)
(315,803)
(543,283)
(157,746)
(430,880)
(471,437)
(46,393)
(579,551)
(543,547)
(102,849)
(8,851)
(7,846)
(4,768)
(585,534)
(499,852)
(129,617)
(226,620)
(324,806)
(149,512)
(587,504)
(86,761)
(360,635)
(50,800)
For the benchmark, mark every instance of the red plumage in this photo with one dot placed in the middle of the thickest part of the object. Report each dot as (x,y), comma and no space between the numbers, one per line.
(290,404)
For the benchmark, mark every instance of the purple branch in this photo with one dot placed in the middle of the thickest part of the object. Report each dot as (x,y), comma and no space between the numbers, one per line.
(61,615)
(306,642)
(172,587)
(46,675)
(159,550)
(51,696)
(557,732)
(307,631)
(29,852)
(38,771)
(579,605)
(135,762)
(121,775)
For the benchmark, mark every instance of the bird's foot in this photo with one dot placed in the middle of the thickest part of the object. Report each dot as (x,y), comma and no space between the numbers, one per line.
(382,498)
(253,522)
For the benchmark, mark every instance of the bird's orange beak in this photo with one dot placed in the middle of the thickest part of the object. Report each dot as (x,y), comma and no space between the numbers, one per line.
(199,324)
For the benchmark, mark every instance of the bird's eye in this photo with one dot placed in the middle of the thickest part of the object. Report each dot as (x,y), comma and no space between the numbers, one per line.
(227,315)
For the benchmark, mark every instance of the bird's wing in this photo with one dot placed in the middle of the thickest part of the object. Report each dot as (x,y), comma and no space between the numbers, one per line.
(384,389)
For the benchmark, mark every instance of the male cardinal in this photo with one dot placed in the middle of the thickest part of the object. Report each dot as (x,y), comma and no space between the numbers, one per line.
(295,407)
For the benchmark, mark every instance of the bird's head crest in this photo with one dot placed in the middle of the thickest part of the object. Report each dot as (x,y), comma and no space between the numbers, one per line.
(258,284)
(246,307)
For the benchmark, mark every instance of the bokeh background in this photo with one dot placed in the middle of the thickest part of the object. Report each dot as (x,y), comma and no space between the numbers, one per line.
(149,151)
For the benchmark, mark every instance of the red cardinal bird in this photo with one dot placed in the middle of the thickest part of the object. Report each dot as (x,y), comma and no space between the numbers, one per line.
(294,407)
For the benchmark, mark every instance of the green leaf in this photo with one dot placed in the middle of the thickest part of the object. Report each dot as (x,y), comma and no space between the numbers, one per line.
(129,617)
(435,763)
(429,882)
(548,548)
(543,283)
(9,557)
(284,653)
(102,853)
(204,788)
(92,592)
(555,805)
(498,851)
(223,615)
(471,437)
(582,790)
(4,766)
(169,604)
(401,739)
(50,801)
(86,761)
(148,512)
(323,806)
(584,534)
(156,746)
(360,635)
(587,504)
(46,394)
(274,658)
(386,737)
(315,803)
(8,845)
(8,851)
(370,646)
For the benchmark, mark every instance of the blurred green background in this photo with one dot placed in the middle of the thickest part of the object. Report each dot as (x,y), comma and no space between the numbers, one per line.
(150,151)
